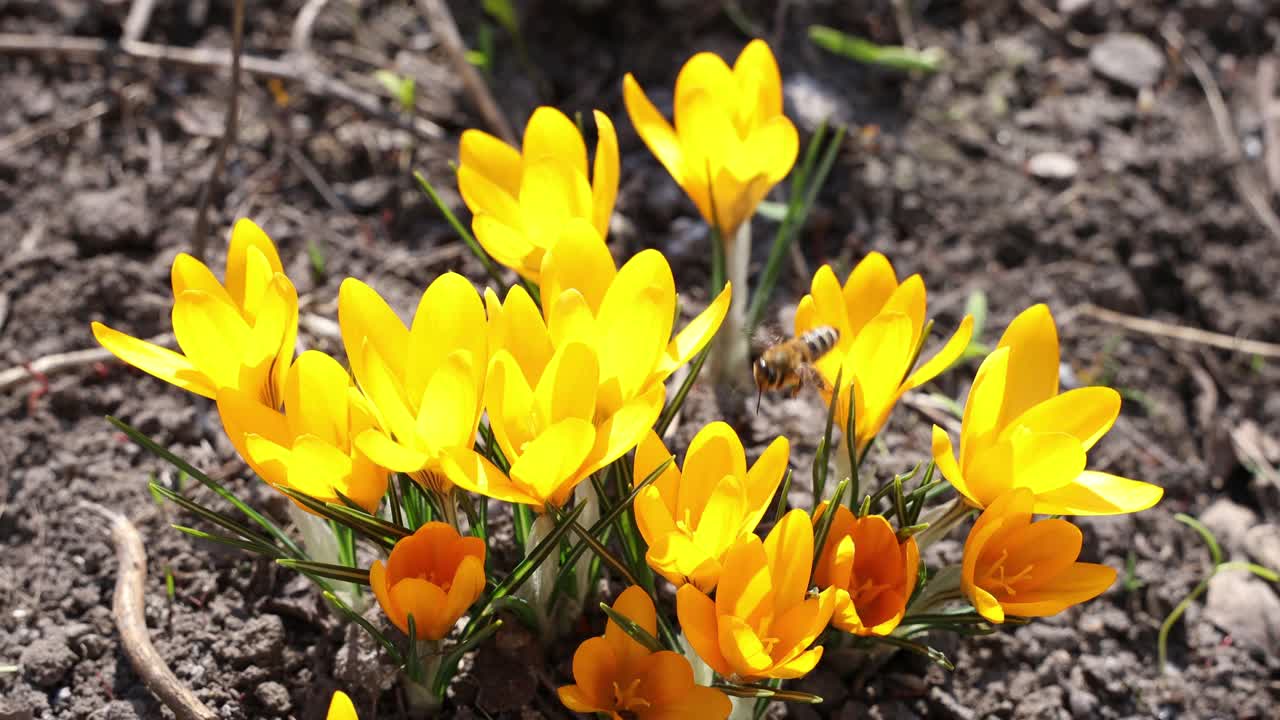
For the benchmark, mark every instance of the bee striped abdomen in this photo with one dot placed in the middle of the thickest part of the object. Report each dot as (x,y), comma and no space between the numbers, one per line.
(819,341)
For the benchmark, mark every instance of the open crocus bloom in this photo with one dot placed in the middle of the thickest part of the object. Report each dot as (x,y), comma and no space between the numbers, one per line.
(310,446)
(690,519)
(424,382)
(730,143)
(1018,432)
(872,572)
(340,707)
(1013,566)
(882,329)
(621,678)
(238,336)
(572,392)
(433,575)
(522,199)
(761,623)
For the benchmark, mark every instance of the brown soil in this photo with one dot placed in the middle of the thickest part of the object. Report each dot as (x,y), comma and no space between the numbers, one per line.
(1150,225)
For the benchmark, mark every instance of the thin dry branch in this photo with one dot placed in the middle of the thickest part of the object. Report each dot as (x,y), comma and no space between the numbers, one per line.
(135,25)
(1254,198)
(200,235)
(442,24)
(1196,336)
(131,621)
(58,123)
(61,362)
(314,81)
(1269,111)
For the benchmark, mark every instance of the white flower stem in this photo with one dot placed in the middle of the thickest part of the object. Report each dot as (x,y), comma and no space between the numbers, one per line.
(585,493)
(537,591)
(941,521)
(322,546)
(743,708)
(729,354)
(419,698)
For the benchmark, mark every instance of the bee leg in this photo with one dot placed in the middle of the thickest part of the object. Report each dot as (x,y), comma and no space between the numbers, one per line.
(759,394)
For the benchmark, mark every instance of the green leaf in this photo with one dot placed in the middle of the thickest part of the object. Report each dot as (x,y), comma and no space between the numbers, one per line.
(677,400)
(163,453)
(472,244)
(1215,551)
(449,664)
(761,691)
(223,540)
(256,543)
(823,526)
(781,508)
(821,457)
(327,570)
(633,629)
(504,13)
(890,56)
(400,87)
(355,617)
(932,653)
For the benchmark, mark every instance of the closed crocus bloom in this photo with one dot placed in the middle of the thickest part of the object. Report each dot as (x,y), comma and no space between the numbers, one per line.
(872,572)
(1013,566)
(424,382)
(762,621)
(340,707)
(521,199)
(433,575)
(882,326)
(621,678)
(691,518)
(238,336)
(1019,432)
(730,143)
(310,446)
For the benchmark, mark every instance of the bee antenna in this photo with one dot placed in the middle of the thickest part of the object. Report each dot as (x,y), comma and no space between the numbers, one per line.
(759,393)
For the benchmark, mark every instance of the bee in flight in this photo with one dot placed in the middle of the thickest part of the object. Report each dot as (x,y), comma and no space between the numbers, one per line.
(788,365)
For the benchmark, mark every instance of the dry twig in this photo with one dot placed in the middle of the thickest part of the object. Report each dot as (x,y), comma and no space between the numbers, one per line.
(200,235)
(1180,332)
(135,25)
(442,24)
(1269,111)
(1246,188)
(58,123)
(61,362)
(131,621)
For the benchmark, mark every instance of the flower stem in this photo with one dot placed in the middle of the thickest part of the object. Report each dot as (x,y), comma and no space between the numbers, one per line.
(729,354)
(537,591)
(419,698)
(941,521)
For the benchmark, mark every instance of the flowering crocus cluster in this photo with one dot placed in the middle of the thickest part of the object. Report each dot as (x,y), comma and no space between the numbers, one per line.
(534,396)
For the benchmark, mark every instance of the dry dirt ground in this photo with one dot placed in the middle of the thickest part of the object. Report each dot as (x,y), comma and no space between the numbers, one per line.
(1053,159)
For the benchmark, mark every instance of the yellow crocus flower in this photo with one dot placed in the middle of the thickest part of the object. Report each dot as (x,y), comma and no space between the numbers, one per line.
(881,323)
(434,575)
(873,573)
(1013,566)
(521,200)
(571,392)
(730,143)
(425,382)
(620,678)
(690,519)
(762,621)
(341,708)
(310,446)
(1019,432)
(239,335)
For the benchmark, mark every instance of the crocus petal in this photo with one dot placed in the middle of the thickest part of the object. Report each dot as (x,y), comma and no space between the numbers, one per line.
(448,318)
(980,423)
(315,394)
(987,605)
(1076,584)
(945,357)
(384,390)
(508,245)
(188,273)
(470,471)
(653,128)
(714,452)
(798,627)
(510,403)
(763,479)
(623,430)
(341,708)
(554,457)
(867,289)
(789,548)
(666,678)
(697,702)
(594,669)
(705,76)
(551,135)
(363,316)
(651,453)
(1048,547)
(633,603)
(653,517)
(567,388)
(246,236)
(799,666)
(578,260)
(485,195)
(634,320)
(468,583)
(694,336)
(681,560)
(379,583)
(829,303)
(1032,339)
(1087,413)
(746,588)
(720,521)
(517,327)
(756,69)
(450,405)
(154,360)
(604,173)
(491,158)
(770,151)
(425,602)
(318,468)
(1099,493)
(698,620)
(944,458)
(214,337)
(390,454)
(742,647)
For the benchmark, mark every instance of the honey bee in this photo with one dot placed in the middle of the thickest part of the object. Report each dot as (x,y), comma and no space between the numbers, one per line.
(788,365)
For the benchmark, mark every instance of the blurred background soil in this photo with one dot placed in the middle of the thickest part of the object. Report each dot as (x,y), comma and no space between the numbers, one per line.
(1066,154)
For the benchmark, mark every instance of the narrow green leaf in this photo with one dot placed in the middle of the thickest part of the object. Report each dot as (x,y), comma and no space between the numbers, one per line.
(327,570)
(821,457)
(221,520)
(759,691)
(355,617)
(633,629)
(1215,551)
(489,266)
(932,653)
(449,663)
(896,57)
(781,508)
(823,526)
(226,540)
(677,401)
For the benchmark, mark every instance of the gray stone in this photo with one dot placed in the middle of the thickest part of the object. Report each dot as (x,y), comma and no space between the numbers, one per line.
(109,220)
(1262,542)
(1245,607)
(1071,7)
(1053,166)
(46,661)
(1229,522)
(274,697)
(1129,59)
